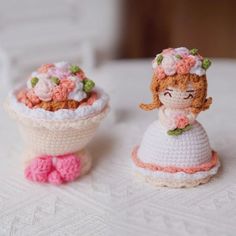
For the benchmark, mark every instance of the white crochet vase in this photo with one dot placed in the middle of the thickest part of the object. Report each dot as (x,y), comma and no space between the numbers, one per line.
(56,137)
(175,161)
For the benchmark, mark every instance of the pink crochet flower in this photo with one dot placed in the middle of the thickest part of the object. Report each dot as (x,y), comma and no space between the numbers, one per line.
(168,51)
(169,64)
(68,166)
(39,169)
(44,68)
(43,89)
(181,121)
(159,71)
(92,98)
(182,51)
(60,93)
(81,75)
(184,65)
(21,97)
(68,84)
(32,97)
(61,73)
(28,103)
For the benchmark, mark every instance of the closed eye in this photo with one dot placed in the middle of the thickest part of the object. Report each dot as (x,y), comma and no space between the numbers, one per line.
(167,93)
(189,96)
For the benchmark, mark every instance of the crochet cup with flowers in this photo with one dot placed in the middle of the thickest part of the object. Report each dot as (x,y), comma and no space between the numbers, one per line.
(58,110)
(175,150)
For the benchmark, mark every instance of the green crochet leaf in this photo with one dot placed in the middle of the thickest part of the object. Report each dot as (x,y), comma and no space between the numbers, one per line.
(74,69)
(188,127)
(178,56)
(177,131)
(55,80)
(193,51)
(206,63)
(88,85)
(34,81)
(159,59)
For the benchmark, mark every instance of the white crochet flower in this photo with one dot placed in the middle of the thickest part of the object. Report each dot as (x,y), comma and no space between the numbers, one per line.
(28,83)
(197,68)
(62,65)
(154,62)
(43,88)
(182,51)
(77,94)
(169,64)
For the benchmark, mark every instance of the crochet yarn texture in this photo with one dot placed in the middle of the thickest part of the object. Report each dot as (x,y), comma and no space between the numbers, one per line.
(175,150)
(56,138)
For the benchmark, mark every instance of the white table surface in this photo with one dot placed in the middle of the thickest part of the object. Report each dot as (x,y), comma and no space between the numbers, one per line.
(110,201)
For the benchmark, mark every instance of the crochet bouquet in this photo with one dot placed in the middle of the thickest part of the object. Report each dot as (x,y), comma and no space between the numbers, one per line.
(58,111)
(175,149)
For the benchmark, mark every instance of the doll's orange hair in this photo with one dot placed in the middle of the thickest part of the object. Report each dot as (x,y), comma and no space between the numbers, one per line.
(200,102)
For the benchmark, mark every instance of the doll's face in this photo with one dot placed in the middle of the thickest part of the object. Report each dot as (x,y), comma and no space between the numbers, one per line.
(177,99)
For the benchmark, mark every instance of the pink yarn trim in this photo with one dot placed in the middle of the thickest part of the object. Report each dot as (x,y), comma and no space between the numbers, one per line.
(173,169)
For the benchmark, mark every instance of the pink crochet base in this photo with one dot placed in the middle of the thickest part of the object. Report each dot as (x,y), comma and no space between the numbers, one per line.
(53,169)
(173,169)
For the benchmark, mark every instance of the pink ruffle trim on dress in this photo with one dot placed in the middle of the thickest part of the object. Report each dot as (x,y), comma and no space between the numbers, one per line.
(173,169)
(55,170)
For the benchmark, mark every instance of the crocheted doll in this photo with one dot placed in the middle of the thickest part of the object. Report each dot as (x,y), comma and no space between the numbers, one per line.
(58,112)
(175,149)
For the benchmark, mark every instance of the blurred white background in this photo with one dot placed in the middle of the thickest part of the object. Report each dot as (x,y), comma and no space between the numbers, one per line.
(34,32)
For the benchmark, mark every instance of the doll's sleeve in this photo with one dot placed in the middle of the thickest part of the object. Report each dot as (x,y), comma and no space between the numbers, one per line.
(165,120)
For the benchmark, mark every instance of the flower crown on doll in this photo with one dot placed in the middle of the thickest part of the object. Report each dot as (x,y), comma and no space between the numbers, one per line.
(180,61)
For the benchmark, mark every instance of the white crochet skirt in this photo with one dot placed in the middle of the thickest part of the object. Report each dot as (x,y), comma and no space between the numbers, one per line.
(176,161)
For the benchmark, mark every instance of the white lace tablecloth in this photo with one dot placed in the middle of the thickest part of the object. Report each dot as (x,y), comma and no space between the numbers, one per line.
(110,201)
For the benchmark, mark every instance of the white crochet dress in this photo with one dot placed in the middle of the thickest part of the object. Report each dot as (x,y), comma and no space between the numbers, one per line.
(175,161)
